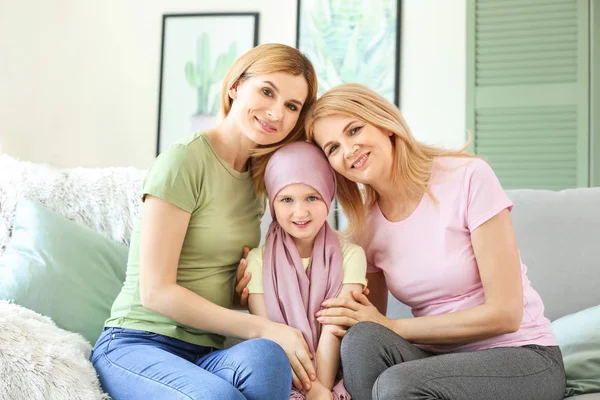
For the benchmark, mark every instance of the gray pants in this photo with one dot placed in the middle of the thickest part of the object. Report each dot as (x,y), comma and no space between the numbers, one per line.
(379,364)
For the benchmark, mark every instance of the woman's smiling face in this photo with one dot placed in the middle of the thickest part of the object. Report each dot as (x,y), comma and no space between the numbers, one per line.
(267,107)
(359,151)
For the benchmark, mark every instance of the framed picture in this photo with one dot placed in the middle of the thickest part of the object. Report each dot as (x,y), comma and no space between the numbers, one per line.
(352,41)
(197,50)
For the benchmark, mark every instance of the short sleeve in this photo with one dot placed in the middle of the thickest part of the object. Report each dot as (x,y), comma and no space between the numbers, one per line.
(175,177)
(484,195)
(255,264)
(354,264)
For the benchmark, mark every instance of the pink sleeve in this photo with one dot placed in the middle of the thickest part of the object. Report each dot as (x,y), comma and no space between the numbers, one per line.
(371,268)
(485,196)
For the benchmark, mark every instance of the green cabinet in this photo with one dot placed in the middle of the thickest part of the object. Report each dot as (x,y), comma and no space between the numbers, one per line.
(529,98)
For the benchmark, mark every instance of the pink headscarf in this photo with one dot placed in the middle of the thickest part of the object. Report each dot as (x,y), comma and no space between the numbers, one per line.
(292,296)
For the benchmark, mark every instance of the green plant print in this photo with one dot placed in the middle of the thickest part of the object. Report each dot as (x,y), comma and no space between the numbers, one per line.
(351,41)
(202,77)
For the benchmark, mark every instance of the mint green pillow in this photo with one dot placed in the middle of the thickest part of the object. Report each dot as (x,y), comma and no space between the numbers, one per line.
(579,340)
(61,269)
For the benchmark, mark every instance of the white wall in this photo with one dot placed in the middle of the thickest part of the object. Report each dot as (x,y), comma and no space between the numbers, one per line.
(433,75)
(79,79)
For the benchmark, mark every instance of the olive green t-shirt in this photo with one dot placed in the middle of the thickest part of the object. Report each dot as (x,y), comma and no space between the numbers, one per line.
(225,216)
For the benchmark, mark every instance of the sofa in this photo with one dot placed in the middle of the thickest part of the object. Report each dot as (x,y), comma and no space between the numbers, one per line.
(558,235)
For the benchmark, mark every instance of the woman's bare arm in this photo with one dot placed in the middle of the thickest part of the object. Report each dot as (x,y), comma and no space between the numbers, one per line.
(164,227)
(497,255)
(495,249)
(163,230)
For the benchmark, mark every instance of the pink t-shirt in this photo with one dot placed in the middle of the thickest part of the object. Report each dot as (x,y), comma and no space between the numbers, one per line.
(428,258)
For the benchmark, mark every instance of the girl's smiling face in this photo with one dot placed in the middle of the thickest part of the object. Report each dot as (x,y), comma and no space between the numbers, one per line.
(301,212)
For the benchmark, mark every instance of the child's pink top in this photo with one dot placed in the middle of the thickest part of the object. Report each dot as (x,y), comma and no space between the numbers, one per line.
(428,258)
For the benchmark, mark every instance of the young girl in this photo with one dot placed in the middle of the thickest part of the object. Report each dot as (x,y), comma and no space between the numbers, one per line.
(436,229)
(164,338)
(303,262)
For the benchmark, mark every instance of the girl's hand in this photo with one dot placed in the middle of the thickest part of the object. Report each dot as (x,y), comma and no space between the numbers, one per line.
(295,347)
(319,392)
(349,312)
(241,281)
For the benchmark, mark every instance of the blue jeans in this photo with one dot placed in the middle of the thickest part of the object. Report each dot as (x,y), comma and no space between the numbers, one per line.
(136,364)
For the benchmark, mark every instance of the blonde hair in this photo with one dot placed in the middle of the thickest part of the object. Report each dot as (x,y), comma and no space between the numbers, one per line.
(413,159)
(267,59)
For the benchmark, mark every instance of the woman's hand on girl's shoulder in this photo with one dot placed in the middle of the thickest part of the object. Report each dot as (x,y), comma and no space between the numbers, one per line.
(242,278)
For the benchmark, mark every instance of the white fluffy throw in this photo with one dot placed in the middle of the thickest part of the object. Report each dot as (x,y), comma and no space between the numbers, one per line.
(105,199)
(39,361)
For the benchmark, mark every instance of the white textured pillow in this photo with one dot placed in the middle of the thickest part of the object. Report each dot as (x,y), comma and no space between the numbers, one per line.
(104,199)
(39,361)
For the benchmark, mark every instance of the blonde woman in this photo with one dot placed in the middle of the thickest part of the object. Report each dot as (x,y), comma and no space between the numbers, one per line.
(436,228)
(164,338)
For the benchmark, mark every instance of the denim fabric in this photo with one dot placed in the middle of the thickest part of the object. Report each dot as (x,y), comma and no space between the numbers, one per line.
(135,364)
